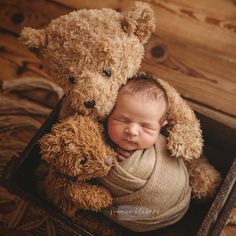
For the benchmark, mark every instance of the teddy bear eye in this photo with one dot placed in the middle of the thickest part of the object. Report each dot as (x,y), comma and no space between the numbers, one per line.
(106,72)
(72,79)
(83,161)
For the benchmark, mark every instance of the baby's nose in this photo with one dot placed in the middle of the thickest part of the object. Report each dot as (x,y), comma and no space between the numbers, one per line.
(132,130)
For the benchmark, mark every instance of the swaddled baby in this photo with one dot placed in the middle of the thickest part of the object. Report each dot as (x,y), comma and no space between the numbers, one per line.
(150,188)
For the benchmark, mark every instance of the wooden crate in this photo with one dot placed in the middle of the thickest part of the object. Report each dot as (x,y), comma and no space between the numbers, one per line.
(201,219)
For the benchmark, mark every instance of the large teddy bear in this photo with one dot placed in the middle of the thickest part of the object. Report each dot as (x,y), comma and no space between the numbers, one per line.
(91,54)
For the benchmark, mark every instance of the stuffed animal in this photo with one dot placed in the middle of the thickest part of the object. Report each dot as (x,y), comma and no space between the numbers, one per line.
(77,153)
(91,54)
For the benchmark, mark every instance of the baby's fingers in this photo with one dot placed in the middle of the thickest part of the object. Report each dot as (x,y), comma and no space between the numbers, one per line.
(123,152)
(121,158)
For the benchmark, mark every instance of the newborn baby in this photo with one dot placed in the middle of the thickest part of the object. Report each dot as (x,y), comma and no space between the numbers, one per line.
(150,189)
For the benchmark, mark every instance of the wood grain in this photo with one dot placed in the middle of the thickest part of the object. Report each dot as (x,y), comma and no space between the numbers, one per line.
(16,60)
(197,74)
(198,25)
(88,4)
(14,15)
(216,115)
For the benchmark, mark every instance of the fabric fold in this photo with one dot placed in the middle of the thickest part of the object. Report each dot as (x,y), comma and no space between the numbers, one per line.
(150,189)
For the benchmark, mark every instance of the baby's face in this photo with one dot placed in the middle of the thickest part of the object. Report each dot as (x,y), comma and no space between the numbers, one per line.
(135,124)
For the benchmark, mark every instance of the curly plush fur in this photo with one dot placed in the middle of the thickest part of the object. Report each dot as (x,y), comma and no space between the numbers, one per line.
(203,177)
(73,165)
(91,54)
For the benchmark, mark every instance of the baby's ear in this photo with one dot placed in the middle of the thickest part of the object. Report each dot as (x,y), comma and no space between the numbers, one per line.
(140,21)
(33,38)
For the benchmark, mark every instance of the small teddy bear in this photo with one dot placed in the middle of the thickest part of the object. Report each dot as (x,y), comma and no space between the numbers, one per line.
(91,54)
(67,182)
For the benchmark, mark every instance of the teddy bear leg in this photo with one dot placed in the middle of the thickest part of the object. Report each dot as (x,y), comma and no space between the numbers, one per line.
(87,196)
(204,178)
(65,205)
(55,189)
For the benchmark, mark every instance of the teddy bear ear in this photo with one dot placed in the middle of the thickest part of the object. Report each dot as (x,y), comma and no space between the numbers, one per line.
(140,21)
(33,38)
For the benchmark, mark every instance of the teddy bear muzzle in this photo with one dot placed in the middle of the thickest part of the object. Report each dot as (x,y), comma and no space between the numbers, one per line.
(90,104)
(109,160)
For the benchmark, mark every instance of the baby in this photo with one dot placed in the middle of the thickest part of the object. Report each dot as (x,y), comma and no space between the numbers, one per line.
(138,116)
(150,189)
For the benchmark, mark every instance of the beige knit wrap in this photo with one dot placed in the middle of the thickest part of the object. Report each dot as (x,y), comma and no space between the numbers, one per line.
(150,189)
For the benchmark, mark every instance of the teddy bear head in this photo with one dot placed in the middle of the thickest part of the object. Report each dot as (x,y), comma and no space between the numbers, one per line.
(69,147)
(91,53)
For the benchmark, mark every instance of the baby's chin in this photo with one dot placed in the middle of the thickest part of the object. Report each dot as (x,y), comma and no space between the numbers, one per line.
(134,147)
(129,146)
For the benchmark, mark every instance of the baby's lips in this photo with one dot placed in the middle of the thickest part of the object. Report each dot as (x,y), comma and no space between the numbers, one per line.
(109,160)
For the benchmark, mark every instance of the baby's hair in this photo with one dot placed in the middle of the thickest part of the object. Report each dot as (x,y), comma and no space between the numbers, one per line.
(147,88)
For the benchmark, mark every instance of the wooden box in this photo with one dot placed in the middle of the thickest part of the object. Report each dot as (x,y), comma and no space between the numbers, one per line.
(201,219)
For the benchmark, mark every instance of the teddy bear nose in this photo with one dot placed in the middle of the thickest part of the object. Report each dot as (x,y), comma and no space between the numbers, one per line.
(109,160)
(90,104)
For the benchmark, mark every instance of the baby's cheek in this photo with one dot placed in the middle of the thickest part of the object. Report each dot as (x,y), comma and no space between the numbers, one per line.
(114,132)
(149,140)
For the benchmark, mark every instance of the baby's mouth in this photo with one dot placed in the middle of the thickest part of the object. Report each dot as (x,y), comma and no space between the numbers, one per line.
(128,140)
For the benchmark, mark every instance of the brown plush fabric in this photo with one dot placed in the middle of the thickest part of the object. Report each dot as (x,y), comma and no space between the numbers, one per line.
(84,43)
(73,165)
(150,189)
(204,178)
(140,27)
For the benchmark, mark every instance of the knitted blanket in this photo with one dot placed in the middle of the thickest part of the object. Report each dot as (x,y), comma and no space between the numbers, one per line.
(150,189)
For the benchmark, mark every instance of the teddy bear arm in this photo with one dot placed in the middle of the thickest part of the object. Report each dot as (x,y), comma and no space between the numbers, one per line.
(185,135)
(87,196)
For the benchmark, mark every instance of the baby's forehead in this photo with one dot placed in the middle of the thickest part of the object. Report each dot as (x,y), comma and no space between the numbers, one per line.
(141,86)
(128,100)
(145,95)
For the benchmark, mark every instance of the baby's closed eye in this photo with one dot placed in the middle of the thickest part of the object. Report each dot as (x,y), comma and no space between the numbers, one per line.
(149,126)
(121,119)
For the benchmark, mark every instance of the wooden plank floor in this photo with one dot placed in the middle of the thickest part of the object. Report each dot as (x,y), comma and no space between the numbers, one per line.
(194,47)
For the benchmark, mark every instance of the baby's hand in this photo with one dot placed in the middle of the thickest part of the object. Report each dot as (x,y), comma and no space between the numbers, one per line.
(123,154)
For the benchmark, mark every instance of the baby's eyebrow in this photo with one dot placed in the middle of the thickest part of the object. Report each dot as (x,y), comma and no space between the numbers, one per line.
(122,116)
(148,124)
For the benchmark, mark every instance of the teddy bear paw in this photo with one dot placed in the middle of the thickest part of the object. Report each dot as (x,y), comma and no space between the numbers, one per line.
(184,146)
(102,199)
(204,179)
